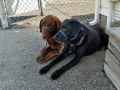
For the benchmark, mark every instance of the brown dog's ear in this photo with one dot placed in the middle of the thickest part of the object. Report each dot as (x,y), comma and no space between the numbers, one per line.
(58,23)
(40,25)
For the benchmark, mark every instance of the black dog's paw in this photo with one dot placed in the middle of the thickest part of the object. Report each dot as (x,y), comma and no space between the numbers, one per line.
(43,70)
(56,75)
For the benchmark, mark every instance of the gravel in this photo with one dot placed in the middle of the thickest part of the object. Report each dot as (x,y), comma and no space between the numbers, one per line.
(19,69)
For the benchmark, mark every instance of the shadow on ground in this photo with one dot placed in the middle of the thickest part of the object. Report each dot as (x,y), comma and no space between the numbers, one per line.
(19,18)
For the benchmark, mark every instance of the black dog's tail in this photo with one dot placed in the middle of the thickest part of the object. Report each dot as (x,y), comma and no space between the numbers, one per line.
(104,38)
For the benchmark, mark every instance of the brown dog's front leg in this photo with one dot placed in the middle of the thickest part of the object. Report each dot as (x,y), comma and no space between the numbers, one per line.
(44,53)
(56,60)
(50,56)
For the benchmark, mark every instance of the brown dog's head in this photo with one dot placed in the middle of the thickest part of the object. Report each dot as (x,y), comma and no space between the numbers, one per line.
(49,26)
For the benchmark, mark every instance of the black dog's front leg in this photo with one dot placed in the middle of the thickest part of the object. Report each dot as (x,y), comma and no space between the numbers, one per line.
(78,55)
(55,61)
(60,71)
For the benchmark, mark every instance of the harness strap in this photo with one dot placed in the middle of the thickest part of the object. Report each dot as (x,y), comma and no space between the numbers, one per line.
(63,33)
(81,28)
(47,29)
(80,42)
(74,37)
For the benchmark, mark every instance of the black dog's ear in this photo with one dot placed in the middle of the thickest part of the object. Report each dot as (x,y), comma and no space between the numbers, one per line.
(75,26)
(40,25)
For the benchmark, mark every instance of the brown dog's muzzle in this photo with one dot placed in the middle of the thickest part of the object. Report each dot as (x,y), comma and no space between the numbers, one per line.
(46,32)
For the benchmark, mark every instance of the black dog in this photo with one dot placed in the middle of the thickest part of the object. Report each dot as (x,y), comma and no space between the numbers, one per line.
(78,38)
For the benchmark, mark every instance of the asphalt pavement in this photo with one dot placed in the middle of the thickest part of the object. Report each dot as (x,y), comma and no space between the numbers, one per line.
(19,69)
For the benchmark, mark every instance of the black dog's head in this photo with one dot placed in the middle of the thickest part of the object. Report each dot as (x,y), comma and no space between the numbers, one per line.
(70,28)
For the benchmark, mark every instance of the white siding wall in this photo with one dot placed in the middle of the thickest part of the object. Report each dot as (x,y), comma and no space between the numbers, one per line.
(117,11)
(104,9)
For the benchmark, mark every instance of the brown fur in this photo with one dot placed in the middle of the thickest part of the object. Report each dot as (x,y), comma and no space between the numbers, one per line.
(53,47)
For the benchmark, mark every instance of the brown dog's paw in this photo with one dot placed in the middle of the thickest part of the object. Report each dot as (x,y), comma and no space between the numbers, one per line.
(37,58)
(40,56)
(41,59)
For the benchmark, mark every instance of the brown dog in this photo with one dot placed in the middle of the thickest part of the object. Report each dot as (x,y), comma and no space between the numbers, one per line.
(49,26)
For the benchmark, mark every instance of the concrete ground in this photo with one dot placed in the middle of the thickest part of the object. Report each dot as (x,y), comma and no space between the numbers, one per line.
(19,69)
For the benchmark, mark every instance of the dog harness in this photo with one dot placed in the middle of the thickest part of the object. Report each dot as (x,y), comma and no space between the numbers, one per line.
(81,40)
(81,28)
(47,29)
(70,50)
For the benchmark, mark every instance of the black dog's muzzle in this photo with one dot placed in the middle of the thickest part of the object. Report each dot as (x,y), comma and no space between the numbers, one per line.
(65,36)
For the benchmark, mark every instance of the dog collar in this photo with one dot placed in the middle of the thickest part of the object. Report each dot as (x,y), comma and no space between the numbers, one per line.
(80,42)
(47,29)
(81,28)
